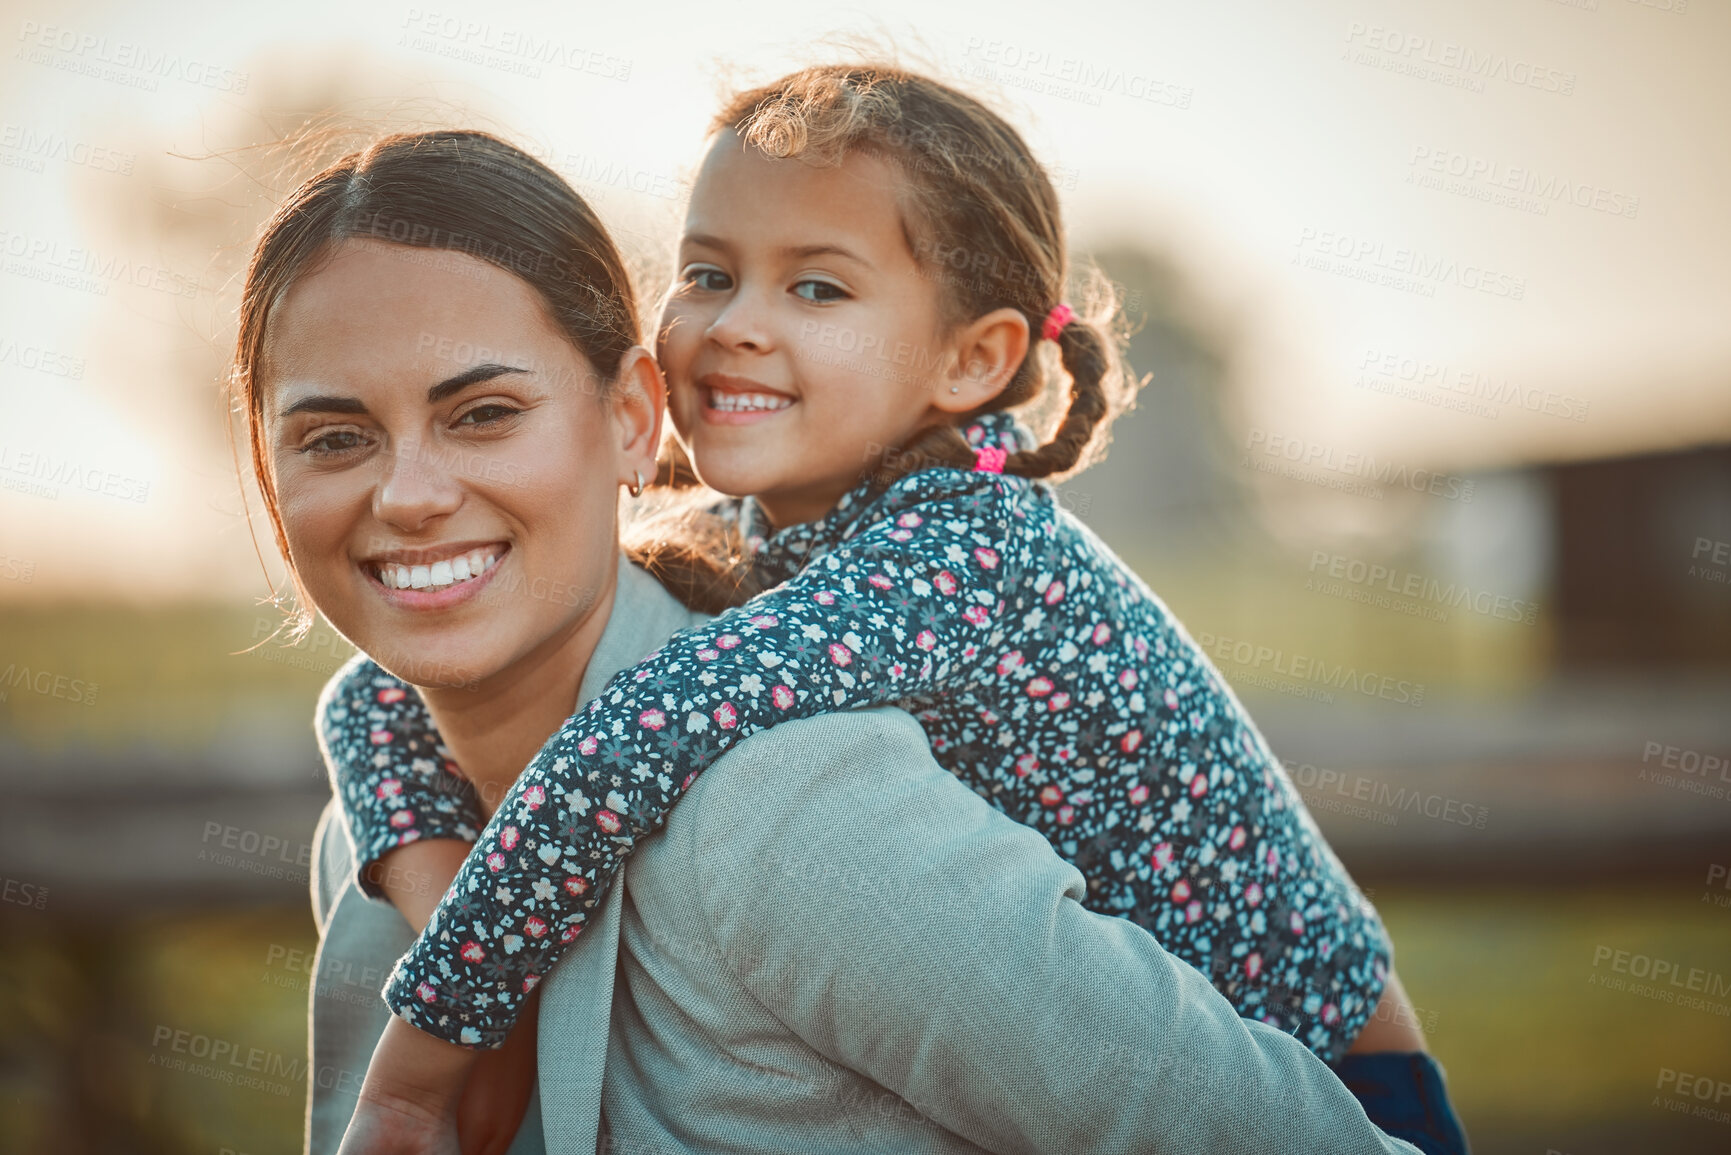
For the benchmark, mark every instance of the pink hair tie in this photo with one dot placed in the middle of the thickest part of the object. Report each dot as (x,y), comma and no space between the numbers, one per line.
(989,459)
(1060,316)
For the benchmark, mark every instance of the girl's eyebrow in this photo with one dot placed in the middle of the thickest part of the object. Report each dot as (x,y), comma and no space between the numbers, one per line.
(796,252)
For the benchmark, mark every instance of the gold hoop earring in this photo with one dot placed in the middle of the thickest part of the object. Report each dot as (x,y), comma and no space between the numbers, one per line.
(636,489)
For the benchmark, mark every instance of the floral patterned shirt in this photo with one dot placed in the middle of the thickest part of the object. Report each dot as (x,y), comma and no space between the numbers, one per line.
(1047,676)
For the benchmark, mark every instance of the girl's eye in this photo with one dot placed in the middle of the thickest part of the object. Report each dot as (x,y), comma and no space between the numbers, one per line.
(708,278)
(487,415)
(334,443)
(820,290)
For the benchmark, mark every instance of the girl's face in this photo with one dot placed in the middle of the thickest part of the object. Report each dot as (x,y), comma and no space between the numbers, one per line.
(801,341)
(446,466)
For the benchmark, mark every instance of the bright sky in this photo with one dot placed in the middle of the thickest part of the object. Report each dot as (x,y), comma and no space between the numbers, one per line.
(1327,175)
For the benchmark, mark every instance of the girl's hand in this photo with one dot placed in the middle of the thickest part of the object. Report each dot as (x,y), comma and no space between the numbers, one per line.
(498,1091)
(397,1128)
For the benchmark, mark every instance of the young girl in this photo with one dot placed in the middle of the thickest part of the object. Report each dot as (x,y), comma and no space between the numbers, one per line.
(871,261)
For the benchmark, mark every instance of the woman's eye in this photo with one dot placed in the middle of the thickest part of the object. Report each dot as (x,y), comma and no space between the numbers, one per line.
(487,415)
(334,443)
(820,291)
(708,279)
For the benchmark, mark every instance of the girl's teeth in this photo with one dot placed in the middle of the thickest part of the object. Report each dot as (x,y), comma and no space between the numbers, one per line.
(439,574)
(746,402)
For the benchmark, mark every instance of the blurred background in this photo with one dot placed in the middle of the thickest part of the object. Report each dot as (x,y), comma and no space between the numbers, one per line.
(1434,460)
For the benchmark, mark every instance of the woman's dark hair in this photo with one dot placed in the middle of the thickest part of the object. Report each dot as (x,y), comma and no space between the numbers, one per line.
(983,222)
(471,193)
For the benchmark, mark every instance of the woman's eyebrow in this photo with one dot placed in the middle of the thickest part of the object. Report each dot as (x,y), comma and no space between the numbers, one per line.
(485,371)
(326,403)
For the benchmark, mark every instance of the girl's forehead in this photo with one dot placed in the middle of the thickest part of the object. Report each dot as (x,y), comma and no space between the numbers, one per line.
(745,196)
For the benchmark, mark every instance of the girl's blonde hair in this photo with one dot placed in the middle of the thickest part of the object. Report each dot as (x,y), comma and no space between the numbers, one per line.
(982,219)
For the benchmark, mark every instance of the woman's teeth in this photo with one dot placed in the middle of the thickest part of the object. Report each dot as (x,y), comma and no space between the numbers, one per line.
(439,574)
(724,402)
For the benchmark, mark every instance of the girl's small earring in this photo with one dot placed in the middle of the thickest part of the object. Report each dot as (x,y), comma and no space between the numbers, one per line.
(955,388)
(636,488)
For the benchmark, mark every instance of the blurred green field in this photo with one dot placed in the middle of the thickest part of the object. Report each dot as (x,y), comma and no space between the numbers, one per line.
(1538,1059)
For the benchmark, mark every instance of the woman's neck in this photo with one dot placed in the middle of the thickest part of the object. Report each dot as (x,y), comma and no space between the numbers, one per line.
(494,728)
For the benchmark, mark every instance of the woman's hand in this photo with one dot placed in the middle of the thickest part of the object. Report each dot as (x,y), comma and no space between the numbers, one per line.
(396,1128)
(498,1091)
(408,1100)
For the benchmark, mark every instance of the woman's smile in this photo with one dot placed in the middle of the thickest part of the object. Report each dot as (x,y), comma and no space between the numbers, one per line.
(437,577)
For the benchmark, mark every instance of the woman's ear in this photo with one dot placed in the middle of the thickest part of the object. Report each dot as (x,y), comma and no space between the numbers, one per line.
(638,401)
(988,351)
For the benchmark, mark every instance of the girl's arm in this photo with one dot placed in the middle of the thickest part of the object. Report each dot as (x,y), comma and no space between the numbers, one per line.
(391,778)
(906,607)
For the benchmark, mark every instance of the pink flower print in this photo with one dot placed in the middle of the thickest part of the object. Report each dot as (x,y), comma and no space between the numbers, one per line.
(689,778)
(530,982)
(570,933)
(1181,891)
(1170,699)
(426,993)
(534,797)
(880,581)
(1141,646)
(393,694)
(1235,840)
(946,582)
(1297,924)
(1162,856)
(1127,679)
(925,639)
(1051,796)
(1102,634)
(1129,742)
(1193,911)
(1009,663)
(1027,764)
(1039,687)
(782,696)
(1199,785)
(726,716)
(988,717)
(1139,793)
(765,621)
(380,737)
(576,887)
(508,838)
(589,745)
(1253,894)
(987,557)
(728,641)
(977,615)
(608,821)
(1054,593)
(823,598)
(1273,860)
(496,862)
(1060,701)
(534,926)
(1066,815)
(1330,1014)
(652,719)
(840,654)
(1253,965)
(708,654)
(472,952)
(389,788)
(909,519)
(402,818)
(901,534)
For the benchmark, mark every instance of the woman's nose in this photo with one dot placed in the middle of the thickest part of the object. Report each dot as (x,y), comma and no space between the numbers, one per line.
(416,486)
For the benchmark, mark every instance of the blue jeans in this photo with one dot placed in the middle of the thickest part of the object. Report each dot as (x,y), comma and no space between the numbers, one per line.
(1403,1093)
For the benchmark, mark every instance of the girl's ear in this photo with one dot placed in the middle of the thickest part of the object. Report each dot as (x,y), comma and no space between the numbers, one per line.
(638,402)
(988,351)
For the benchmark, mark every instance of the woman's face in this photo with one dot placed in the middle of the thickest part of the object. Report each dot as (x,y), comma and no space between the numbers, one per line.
(446,463)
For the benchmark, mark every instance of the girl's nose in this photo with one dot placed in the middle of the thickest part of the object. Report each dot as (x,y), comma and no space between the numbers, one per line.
(416,486)
(742,323)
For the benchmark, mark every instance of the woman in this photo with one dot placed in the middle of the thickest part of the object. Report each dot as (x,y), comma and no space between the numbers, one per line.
(438,360)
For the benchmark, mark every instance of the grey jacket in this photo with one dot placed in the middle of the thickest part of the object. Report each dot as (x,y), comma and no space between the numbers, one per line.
(835,946)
